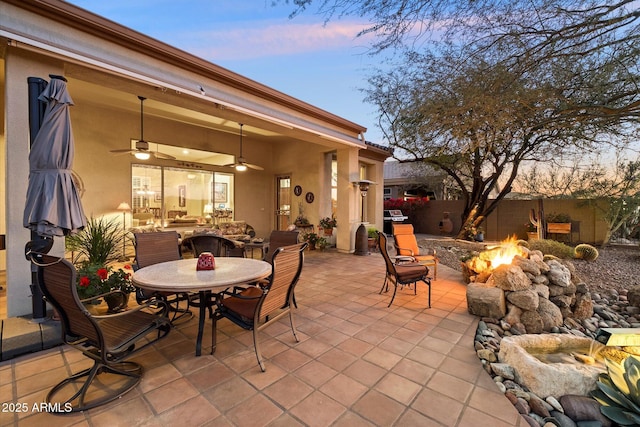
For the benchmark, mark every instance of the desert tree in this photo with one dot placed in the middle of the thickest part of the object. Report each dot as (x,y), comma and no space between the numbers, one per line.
(482,87)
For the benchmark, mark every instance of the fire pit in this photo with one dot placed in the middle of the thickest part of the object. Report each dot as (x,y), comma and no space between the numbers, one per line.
(509,282)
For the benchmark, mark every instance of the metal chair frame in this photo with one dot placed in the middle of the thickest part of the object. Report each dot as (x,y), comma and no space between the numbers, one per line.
(154,248)
(254,308)
(106,339)
(401,274)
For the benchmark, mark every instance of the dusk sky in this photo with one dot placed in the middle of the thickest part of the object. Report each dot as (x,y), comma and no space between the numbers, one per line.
(324,65)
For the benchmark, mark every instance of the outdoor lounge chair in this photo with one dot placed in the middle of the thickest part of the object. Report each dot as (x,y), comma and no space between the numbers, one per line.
(402,274)
(153,248)
(254,308)
(404,240)
(107,340)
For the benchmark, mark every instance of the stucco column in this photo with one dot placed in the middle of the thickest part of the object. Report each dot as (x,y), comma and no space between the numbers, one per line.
(19,66)
(348,215)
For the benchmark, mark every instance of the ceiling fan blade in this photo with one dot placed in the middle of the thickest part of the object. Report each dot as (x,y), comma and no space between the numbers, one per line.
(159,155)
(256,167)
(123,151)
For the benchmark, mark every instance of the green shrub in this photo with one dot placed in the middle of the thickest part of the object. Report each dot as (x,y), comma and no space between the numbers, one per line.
(552,247)
(585,252)
(618,391)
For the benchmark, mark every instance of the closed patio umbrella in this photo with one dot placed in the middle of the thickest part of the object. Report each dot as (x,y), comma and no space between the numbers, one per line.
(53,205)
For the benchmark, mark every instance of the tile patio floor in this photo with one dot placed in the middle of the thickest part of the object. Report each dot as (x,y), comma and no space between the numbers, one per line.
(359,363)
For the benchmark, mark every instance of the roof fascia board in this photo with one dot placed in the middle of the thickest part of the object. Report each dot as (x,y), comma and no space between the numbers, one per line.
(98,26)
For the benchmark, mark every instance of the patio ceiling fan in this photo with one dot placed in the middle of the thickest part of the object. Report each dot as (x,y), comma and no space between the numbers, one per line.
(141,151)
(240,164)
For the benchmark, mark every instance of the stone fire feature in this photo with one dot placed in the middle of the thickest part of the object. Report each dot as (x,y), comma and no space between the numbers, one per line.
(531,294)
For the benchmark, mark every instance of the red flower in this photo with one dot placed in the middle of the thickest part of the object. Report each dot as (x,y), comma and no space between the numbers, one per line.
(85,281)
(102,273)
(127,267)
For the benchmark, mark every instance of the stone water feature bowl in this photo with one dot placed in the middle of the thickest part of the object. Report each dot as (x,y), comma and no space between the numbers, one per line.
(548,363)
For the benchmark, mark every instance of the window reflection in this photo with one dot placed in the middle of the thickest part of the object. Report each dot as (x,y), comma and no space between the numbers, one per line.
(168,196)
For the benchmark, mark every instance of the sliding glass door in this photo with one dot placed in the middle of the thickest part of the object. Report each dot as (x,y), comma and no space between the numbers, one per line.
(168,196)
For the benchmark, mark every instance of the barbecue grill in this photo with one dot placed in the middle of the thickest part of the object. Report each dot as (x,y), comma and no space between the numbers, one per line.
(391,216)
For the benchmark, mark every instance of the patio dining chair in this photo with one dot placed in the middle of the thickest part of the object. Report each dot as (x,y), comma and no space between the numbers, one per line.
(153,248)
(406,245)
(405,273)
(208,242)
(106,339)
(278,239)
(254,308)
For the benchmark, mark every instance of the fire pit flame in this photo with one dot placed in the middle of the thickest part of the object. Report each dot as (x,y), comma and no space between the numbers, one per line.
(501,254)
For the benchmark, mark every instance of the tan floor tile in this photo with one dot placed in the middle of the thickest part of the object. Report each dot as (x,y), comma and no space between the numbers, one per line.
(383,358)
(315,373)
(171,394)
(437,406)
(415,418)
(365,372)
(492,402)
(355,346)
(290,359)
(229,394)
(343,389)
(414,371)
(193,412)
(209,376)
(398,388)
(257,411)
(378,408)
(474,418)
(337,359)
(451,386)
(318,409)
(288,391)
(349,419)
(426,356)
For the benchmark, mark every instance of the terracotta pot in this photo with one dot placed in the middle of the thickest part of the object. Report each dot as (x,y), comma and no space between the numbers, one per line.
(328,231)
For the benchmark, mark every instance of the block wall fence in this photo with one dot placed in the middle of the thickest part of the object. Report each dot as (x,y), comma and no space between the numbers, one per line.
(511,216)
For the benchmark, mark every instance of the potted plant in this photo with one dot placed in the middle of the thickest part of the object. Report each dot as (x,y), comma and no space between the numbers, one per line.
(98,243)
(312,239)
(95,281)
(372,238)
(532,231)
(322,243)
(328,224)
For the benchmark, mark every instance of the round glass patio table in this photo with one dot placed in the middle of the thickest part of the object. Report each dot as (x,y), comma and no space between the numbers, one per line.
(182,276)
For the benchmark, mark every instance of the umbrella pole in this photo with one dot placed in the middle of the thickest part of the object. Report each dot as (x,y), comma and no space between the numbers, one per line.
(36,113)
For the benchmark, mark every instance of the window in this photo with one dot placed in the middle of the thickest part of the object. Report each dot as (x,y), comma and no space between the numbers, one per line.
(176,195)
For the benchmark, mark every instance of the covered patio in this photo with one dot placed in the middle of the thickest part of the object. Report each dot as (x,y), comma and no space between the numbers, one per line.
(359,363)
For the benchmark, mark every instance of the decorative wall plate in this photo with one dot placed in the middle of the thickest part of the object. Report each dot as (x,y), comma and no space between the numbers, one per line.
(309,197)
(297,190)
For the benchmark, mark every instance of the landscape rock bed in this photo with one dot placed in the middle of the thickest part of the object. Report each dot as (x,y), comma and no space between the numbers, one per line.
(614,274)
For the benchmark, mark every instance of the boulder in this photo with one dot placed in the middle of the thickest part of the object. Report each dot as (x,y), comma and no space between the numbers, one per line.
(633,296)
(526,265)
(485,300)
(583,307)
(550,314)
(526,299)
(558,274)
(532,321)
(510,278)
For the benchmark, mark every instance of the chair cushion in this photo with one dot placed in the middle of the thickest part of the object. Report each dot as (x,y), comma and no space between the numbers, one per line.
(407,244)
(244,307)
(411,271)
